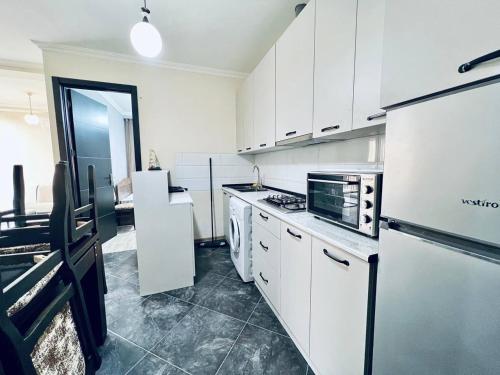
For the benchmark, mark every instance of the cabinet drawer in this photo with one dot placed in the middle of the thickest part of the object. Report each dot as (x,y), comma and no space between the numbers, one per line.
(267,221)
(266,247)
(268,280)
(339,302)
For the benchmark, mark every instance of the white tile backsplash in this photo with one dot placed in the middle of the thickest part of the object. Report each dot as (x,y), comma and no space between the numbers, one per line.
(288,169)
(192,170)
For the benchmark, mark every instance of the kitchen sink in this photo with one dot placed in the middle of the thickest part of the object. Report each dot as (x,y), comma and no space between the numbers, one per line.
(247,189)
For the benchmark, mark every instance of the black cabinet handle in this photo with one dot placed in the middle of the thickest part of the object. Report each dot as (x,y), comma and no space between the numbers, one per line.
(334,127)
(293,234)
(375,116)
(471,64)
(262,277)
(290,133)
(263,145)
(248,148)
(263,216)
(240,150)
(266,248)
(344,262)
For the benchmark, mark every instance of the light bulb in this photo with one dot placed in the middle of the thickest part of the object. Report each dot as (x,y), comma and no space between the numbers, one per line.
(146,39)
(31,119)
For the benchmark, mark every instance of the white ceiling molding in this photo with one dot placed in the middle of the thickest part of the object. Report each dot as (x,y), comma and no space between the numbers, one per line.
(21,66)
(81,51)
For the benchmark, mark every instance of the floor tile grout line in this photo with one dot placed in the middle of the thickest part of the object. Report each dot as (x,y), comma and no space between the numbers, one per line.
(135,364)
(239,334)
(232,317)
(149,351)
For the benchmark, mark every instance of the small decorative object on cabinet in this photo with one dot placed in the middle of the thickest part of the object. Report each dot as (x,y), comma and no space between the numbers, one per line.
(154,163)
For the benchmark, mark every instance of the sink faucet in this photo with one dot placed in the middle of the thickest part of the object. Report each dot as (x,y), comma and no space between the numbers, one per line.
(259,182)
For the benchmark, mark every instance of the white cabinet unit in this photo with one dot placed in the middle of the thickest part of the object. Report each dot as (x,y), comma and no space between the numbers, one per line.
(244,120)
(294,77)
(240,123)
(296,282)
(339,303)
(368,65)
(426,41)
(334,66)
(266,249)
(265,102)
(165,236)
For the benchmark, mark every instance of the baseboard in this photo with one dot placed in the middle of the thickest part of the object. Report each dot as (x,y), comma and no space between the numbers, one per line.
(200,240)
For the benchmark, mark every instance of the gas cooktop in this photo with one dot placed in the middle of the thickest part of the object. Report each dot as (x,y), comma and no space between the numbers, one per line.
(285,202)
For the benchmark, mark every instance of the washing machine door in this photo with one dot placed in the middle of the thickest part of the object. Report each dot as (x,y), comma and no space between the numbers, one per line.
(234,234)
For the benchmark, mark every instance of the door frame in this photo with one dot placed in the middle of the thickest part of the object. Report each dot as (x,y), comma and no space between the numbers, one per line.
(64,135)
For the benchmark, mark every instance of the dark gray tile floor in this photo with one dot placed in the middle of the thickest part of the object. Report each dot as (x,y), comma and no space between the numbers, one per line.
(218,326)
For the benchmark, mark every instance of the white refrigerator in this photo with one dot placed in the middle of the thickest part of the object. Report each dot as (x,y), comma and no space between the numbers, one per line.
(438,287)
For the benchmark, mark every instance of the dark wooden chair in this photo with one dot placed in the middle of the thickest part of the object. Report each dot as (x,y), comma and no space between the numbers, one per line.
(43,325)
(74,232)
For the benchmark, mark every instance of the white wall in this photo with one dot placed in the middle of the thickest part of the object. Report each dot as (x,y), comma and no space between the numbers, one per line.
(29,146)
(288,169)
(117,144)
(179,111)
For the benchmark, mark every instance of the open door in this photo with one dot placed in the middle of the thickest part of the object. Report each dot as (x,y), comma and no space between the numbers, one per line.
(88,144)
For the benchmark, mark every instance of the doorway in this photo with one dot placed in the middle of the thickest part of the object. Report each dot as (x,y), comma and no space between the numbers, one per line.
(98,124)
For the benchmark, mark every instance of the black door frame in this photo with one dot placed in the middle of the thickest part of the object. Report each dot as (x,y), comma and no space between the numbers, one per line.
(64,133)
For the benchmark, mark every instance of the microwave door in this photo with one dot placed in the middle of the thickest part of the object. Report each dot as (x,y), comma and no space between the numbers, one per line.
(441,168)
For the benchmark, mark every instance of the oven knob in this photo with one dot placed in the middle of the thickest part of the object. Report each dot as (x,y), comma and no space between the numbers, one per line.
(367,219)
(368,189)
(367,204)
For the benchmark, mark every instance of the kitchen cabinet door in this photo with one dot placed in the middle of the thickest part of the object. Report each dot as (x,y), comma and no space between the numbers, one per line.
(240,123)
(248,93)
(339,298)
(296,282)
(334,66)
(294,77)
(264,101)
(368,64)
(426,41)
(244,120)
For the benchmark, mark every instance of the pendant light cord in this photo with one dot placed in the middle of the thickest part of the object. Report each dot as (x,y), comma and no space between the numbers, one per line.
(29,98)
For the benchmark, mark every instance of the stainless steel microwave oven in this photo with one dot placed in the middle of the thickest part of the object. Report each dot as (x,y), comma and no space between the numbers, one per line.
(351,200)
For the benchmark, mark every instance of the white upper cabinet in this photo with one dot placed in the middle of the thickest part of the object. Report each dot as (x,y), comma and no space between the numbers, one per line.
(426,41)
(294,77)
(244,120)
(368,64)
(334,66)
(265,101)
(240,123)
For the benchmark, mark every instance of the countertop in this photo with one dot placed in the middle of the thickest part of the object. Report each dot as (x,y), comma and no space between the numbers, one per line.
(181,198)
(356,244)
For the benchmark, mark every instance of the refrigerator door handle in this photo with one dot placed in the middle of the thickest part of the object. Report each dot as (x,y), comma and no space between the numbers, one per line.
(471,64)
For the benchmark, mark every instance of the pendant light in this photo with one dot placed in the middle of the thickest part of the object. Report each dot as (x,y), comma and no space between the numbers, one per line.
(145,37)
(30,118)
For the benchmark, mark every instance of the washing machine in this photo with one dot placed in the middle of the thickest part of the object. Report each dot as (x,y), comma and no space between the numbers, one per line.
(240,237)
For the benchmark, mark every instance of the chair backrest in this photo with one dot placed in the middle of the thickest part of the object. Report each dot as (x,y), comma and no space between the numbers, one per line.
(32,307)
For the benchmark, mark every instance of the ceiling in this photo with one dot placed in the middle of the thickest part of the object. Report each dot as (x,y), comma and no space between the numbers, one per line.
(223,34)
(14,88)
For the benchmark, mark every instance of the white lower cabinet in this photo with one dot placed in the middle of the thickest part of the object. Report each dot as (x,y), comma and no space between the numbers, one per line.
(339,303)
(266,262)
(296,282)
